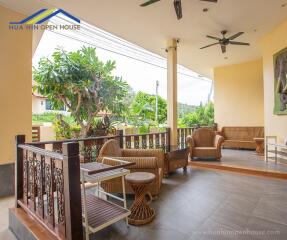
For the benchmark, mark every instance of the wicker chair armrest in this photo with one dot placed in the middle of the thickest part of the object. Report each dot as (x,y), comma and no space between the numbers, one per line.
(140,162)
(219,133)
(143,153)
(218,140)
(190,141)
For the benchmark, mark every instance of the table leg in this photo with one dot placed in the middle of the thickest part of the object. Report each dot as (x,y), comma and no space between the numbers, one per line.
(125,197)
(141,212)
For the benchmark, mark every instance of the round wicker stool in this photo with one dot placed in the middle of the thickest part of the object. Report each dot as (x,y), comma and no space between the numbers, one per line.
(141,212)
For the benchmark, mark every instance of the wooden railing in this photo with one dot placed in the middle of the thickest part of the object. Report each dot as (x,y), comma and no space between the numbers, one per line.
(182,133)
(48,187)
(89,148)
(157,140)
(36,134)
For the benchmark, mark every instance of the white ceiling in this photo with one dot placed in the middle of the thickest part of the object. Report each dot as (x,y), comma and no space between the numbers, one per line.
(151,26)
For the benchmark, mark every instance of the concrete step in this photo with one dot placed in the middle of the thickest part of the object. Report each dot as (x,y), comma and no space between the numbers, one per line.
(7,235)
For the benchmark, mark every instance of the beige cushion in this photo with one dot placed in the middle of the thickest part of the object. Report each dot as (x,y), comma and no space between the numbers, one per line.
(205,151)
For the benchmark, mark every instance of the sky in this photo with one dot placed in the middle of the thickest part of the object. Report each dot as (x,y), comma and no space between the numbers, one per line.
(141,76)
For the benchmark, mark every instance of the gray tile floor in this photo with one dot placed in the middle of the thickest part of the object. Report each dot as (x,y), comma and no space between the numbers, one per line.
(203,204)
(247,159)
(212,205)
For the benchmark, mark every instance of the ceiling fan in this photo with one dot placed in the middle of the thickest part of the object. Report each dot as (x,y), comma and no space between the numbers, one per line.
(224,41)
(177,6)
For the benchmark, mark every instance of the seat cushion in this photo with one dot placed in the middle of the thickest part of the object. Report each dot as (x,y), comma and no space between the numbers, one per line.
(205,152)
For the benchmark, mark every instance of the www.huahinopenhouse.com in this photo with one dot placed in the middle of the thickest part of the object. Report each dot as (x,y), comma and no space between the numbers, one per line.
(246,232)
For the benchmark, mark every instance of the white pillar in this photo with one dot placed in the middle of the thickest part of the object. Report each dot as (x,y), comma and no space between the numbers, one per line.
(172,90)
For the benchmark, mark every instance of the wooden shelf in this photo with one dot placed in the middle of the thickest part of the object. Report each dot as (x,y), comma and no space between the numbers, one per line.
(102,213)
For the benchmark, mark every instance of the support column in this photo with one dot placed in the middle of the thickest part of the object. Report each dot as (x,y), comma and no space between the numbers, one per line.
(172,90)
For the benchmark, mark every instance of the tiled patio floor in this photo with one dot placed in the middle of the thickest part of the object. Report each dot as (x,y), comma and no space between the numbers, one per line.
(213,205)
(246,159)
(207,205)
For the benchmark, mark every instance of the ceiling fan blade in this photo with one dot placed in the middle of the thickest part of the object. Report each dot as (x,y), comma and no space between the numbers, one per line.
(216,38)
(215,1)
(235,35)
(239,43)
(209,45)
(149,3)
(178,8)
(223,48)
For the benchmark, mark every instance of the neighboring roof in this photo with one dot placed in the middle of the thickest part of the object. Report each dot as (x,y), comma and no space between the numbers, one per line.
(38,96)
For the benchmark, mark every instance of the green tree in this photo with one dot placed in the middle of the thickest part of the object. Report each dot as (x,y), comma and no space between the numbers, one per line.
(81,82)
(203,115)
(143,106)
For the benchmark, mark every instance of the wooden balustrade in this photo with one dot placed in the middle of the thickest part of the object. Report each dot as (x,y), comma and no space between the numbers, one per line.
(158,140)
(89,148)
(48,187)
(36,134)
(182,133)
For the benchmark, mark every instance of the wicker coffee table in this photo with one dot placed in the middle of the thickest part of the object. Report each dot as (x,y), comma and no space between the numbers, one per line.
(141,212)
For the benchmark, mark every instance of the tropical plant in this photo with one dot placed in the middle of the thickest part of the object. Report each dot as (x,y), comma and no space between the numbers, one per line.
(83,83)
(203,115)
(143,106)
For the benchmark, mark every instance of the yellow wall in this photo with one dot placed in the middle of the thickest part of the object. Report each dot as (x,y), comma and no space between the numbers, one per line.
(15,84)
(239,94)
(270,44)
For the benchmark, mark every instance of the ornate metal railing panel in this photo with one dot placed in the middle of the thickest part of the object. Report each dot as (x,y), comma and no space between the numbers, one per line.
(42,187)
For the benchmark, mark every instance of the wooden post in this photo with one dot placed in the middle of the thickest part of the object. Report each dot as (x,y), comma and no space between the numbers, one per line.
(20,139)
(168,139)
(120,133)
(172,90)
(72,191)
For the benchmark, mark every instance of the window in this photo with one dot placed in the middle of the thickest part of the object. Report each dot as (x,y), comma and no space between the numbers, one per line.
(50,107)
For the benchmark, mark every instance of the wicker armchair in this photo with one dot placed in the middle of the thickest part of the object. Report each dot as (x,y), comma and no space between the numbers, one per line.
(204,143)
(146,160)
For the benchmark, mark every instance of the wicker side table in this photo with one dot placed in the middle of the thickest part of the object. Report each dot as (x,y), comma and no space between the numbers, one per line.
(141,212)
(259,145)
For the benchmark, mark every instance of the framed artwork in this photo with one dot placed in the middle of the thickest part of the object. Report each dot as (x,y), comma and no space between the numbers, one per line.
(280,82)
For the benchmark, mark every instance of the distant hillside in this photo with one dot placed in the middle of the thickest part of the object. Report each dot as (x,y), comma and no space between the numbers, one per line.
(183,109)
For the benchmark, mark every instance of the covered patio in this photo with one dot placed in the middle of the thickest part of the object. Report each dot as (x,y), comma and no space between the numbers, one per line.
(240,195)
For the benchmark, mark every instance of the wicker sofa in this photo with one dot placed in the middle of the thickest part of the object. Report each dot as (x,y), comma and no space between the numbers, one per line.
(204,143)
(146,160)
(241,137)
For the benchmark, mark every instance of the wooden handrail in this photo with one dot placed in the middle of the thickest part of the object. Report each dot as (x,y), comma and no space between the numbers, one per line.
(143,134)
(74,140)
(41,151)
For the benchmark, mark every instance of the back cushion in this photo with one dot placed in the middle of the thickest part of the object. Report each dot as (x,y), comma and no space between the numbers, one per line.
(203,137)
(242,133)
(111,148)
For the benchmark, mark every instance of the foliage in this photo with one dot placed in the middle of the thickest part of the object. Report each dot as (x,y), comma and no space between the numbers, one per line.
(184,109)
(143,108)
(203,115)
(50,118)
(81,82)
